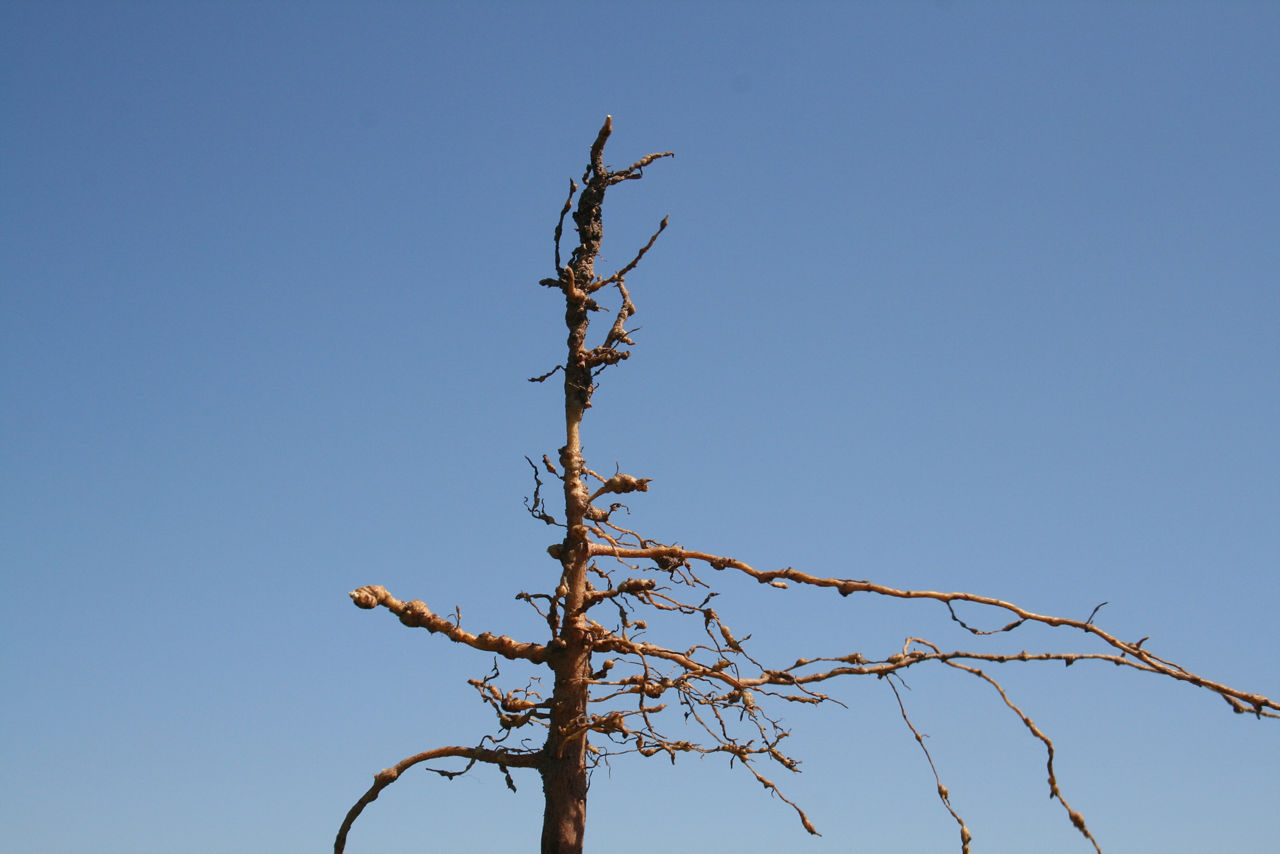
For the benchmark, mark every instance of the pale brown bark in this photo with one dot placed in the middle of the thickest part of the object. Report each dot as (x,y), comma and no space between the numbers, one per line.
(564,756)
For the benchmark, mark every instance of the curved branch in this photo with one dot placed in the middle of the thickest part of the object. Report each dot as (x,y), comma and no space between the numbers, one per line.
(944,795)
(387,776)
(1054,791)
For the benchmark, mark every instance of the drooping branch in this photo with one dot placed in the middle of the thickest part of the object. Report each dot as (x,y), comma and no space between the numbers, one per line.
(944,795)
(718,661)
(1054,791)
(504,759)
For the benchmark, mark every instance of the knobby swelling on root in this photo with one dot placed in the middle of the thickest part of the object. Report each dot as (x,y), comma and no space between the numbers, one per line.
(614,690)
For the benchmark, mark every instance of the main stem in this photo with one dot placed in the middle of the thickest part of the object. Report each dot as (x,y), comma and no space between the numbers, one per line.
(564,763)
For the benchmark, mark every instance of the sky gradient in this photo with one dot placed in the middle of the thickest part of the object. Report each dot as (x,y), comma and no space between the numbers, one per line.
(963,296)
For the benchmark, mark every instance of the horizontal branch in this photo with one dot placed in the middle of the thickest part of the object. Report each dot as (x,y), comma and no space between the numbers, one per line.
(1241,701)
(625,646)
(502,758)
(416,614)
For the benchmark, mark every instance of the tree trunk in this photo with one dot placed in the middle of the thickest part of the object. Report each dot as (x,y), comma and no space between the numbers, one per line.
(564,765)
(564,756)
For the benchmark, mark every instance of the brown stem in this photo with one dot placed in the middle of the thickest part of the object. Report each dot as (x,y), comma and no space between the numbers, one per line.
(387,776)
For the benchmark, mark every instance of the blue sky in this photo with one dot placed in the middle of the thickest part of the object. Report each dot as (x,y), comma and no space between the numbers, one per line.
(955,296)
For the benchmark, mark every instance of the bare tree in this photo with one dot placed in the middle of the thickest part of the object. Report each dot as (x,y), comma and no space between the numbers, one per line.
(612,686)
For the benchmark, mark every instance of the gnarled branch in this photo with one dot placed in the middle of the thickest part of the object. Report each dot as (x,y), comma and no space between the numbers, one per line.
(504,759)
(416,613)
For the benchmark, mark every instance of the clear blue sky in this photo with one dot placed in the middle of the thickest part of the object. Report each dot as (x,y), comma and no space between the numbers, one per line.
(955,295)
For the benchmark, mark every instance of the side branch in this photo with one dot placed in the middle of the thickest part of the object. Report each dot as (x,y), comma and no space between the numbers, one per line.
(944,795)
(622,274)
(596,165)
(416,614)
(387,776)
(1240,701)
(1054,791)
